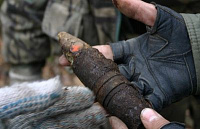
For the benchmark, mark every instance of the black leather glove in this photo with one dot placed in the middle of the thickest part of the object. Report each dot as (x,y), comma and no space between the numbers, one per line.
(159,62)
(173,125)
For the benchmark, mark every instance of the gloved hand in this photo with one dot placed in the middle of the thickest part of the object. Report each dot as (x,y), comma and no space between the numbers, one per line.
(48,105)
(159,62)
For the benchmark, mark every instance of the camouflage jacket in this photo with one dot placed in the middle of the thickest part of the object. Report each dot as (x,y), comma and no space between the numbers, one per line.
(30,26)
(91,20)
(193,26)
(27,25)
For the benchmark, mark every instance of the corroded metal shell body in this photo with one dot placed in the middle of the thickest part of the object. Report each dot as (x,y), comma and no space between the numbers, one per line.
(116,94)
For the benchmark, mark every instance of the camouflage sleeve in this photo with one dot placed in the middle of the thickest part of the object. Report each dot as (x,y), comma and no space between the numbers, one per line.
(91,20)
(72,16)
(23,39)
(105,16)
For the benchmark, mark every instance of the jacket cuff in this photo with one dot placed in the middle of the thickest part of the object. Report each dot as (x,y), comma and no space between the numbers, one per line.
(193,27)
(173,125)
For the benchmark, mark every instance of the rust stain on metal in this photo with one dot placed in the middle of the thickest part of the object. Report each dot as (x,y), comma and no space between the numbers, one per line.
(116,94)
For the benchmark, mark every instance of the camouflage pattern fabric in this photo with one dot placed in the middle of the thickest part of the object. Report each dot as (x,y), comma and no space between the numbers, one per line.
(23,39)
(91,20)
(105,16)
(25,35)
(26,24)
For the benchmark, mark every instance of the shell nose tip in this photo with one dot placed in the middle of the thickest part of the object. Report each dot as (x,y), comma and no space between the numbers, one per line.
(61,34)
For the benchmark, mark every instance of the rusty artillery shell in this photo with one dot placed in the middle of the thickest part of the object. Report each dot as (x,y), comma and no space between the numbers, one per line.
(116,94)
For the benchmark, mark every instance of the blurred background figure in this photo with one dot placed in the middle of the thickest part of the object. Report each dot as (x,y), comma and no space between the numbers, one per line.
(30,27)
